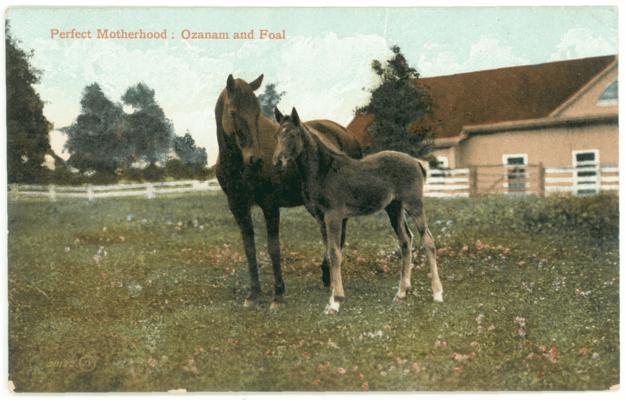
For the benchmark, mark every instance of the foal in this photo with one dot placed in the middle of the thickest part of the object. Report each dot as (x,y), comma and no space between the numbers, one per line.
(336,187)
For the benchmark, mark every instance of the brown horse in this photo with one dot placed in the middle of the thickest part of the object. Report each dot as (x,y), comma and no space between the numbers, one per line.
(247,140)
(336,187)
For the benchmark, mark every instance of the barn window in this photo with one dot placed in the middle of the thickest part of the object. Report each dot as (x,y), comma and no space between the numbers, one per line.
(609,96)
(586,171)
(516,175)
(442,162)
(439,169)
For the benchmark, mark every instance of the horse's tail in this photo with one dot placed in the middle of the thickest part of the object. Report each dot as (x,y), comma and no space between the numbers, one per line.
(424,173)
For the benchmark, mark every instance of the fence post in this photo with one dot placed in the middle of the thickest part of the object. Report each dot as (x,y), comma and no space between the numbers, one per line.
(150,191)
(473,180)
(542,180)
(51,193)
(90,194)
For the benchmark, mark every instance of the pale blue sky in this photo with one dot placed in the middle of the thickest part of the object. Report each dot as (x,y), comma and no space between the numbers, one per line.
(323,64)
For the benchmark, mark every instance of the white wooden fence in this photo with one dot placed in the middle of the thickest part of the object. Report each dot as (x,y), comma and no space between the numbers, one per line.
(149,190)
(447,183)
(583,179)
(462,182)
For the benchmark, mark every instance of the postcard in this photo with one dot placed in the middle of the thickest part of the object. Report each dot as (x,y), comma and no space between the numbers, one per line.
(250,199)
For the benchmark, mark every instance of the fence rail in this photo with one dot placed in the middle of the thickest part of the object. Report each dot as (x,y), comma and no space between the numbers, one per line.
(91,192)
(461,182)
(586,178)
(447,183)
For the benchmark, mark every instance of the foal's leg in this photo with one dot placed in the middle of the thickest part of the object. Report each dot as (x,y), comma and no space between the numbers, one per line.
(416,210)
(242,216)
(325,264)
(333,232)
(272,223)
(405,239)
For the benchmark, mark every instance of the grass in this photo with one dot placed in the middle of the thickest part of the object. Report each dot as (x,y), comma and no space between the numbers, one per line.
(137,295)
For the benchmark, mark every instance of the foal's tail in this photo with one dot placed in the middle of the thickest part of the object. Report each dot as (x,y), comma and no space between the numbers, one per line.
(419,162)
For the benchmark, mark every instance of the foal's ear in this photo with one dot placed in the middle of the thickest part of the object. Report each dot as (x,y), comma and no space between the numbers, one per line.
(279,116)
(294,117)
(255,84)
(230,83)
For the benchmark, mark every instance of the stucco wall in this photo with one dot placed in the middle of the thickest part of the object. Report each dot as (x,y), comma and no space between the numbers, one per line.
(551,146)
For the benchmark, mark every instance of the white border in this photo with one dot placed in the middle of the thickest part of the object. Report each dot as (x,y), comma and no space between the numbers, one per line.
(307,3)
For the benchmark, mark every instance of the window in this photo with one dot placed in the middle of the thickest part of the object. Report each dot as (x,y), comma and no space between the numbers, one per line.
(442,162)
(440,165)
(516,175)
(609,96)
(586,171)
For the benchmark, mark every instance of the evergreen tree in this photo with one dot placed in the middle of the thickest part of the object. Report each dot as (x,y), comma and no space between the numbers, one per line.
(187,151)
(27,127)
(396,104)
(98,140)
(150,132)
(269,99)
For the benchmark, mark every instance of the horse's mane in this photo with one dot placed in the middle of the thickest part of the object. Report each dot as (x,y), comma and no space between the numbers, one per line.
(323,145)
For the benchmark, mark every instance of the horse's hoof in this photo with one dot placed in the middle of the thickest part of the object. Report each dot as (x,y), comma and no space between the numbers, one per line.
(251,302)
(277,304)
(399,300)
(438,297)
(331,309)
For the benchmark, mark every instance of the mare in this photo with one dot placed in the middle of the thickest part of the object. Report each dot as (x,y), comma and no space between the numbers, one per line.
(247,139)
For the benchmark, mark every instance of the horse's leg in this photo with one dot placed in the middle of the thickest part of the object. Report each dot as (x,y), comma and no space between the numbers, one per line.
(405,239)
(272,223)
(242,216)
(416,211)
(325,263)
(333,247)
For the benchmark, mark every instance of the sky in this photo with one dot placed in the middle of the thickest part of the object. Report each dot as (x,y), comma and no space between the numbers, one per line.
(323,63)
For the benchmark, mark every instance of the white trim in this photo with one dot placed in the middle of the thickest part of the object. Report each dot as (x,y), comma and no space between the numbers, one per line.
(596,160)
(505,158)
(442,162)
(608,102)
(585,183)
(515,187)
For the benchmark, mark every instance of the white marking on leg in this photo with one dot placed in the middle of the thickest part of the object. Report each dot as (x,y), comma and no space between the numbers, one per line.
(438,297)
(333,306)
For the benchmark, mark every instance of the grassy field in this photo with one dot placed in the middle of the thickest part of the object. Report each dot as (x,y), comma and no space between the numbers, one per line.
(137,295)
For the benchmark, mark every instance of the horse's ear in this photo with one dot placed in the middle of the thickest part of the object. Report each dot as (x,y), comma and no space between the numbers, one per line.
(279,116)
(255,84)
(230,83)
(294,117)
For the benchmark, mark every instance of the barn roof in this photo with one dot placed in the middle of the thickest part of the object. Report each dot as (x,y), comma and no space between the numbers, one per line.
(497,95)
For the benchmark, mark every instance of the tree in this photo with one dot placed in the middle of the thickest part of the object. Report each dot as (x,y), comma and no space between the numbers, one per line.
(150,132)
(191,159)
(187,151)
(396,104)
(98,140)
(269,99)
(27,127)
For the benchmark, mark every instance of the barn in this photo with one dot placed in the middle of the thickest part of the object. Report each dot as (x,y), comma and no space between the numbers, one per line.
(546,128)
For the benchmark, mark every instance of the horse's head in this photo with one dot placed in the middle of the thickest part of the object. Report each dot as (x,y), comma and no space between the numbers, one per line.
(240,117)
(290,138)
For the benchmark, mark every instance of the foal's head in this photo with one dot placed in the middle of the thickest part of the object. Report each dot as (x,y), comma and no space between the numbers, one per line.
(290,138)
(240,116)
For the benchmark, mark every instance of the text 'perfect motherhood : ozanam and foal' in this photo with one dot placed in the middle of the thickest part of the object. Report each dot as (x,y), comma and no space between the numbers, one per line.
(186,34)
